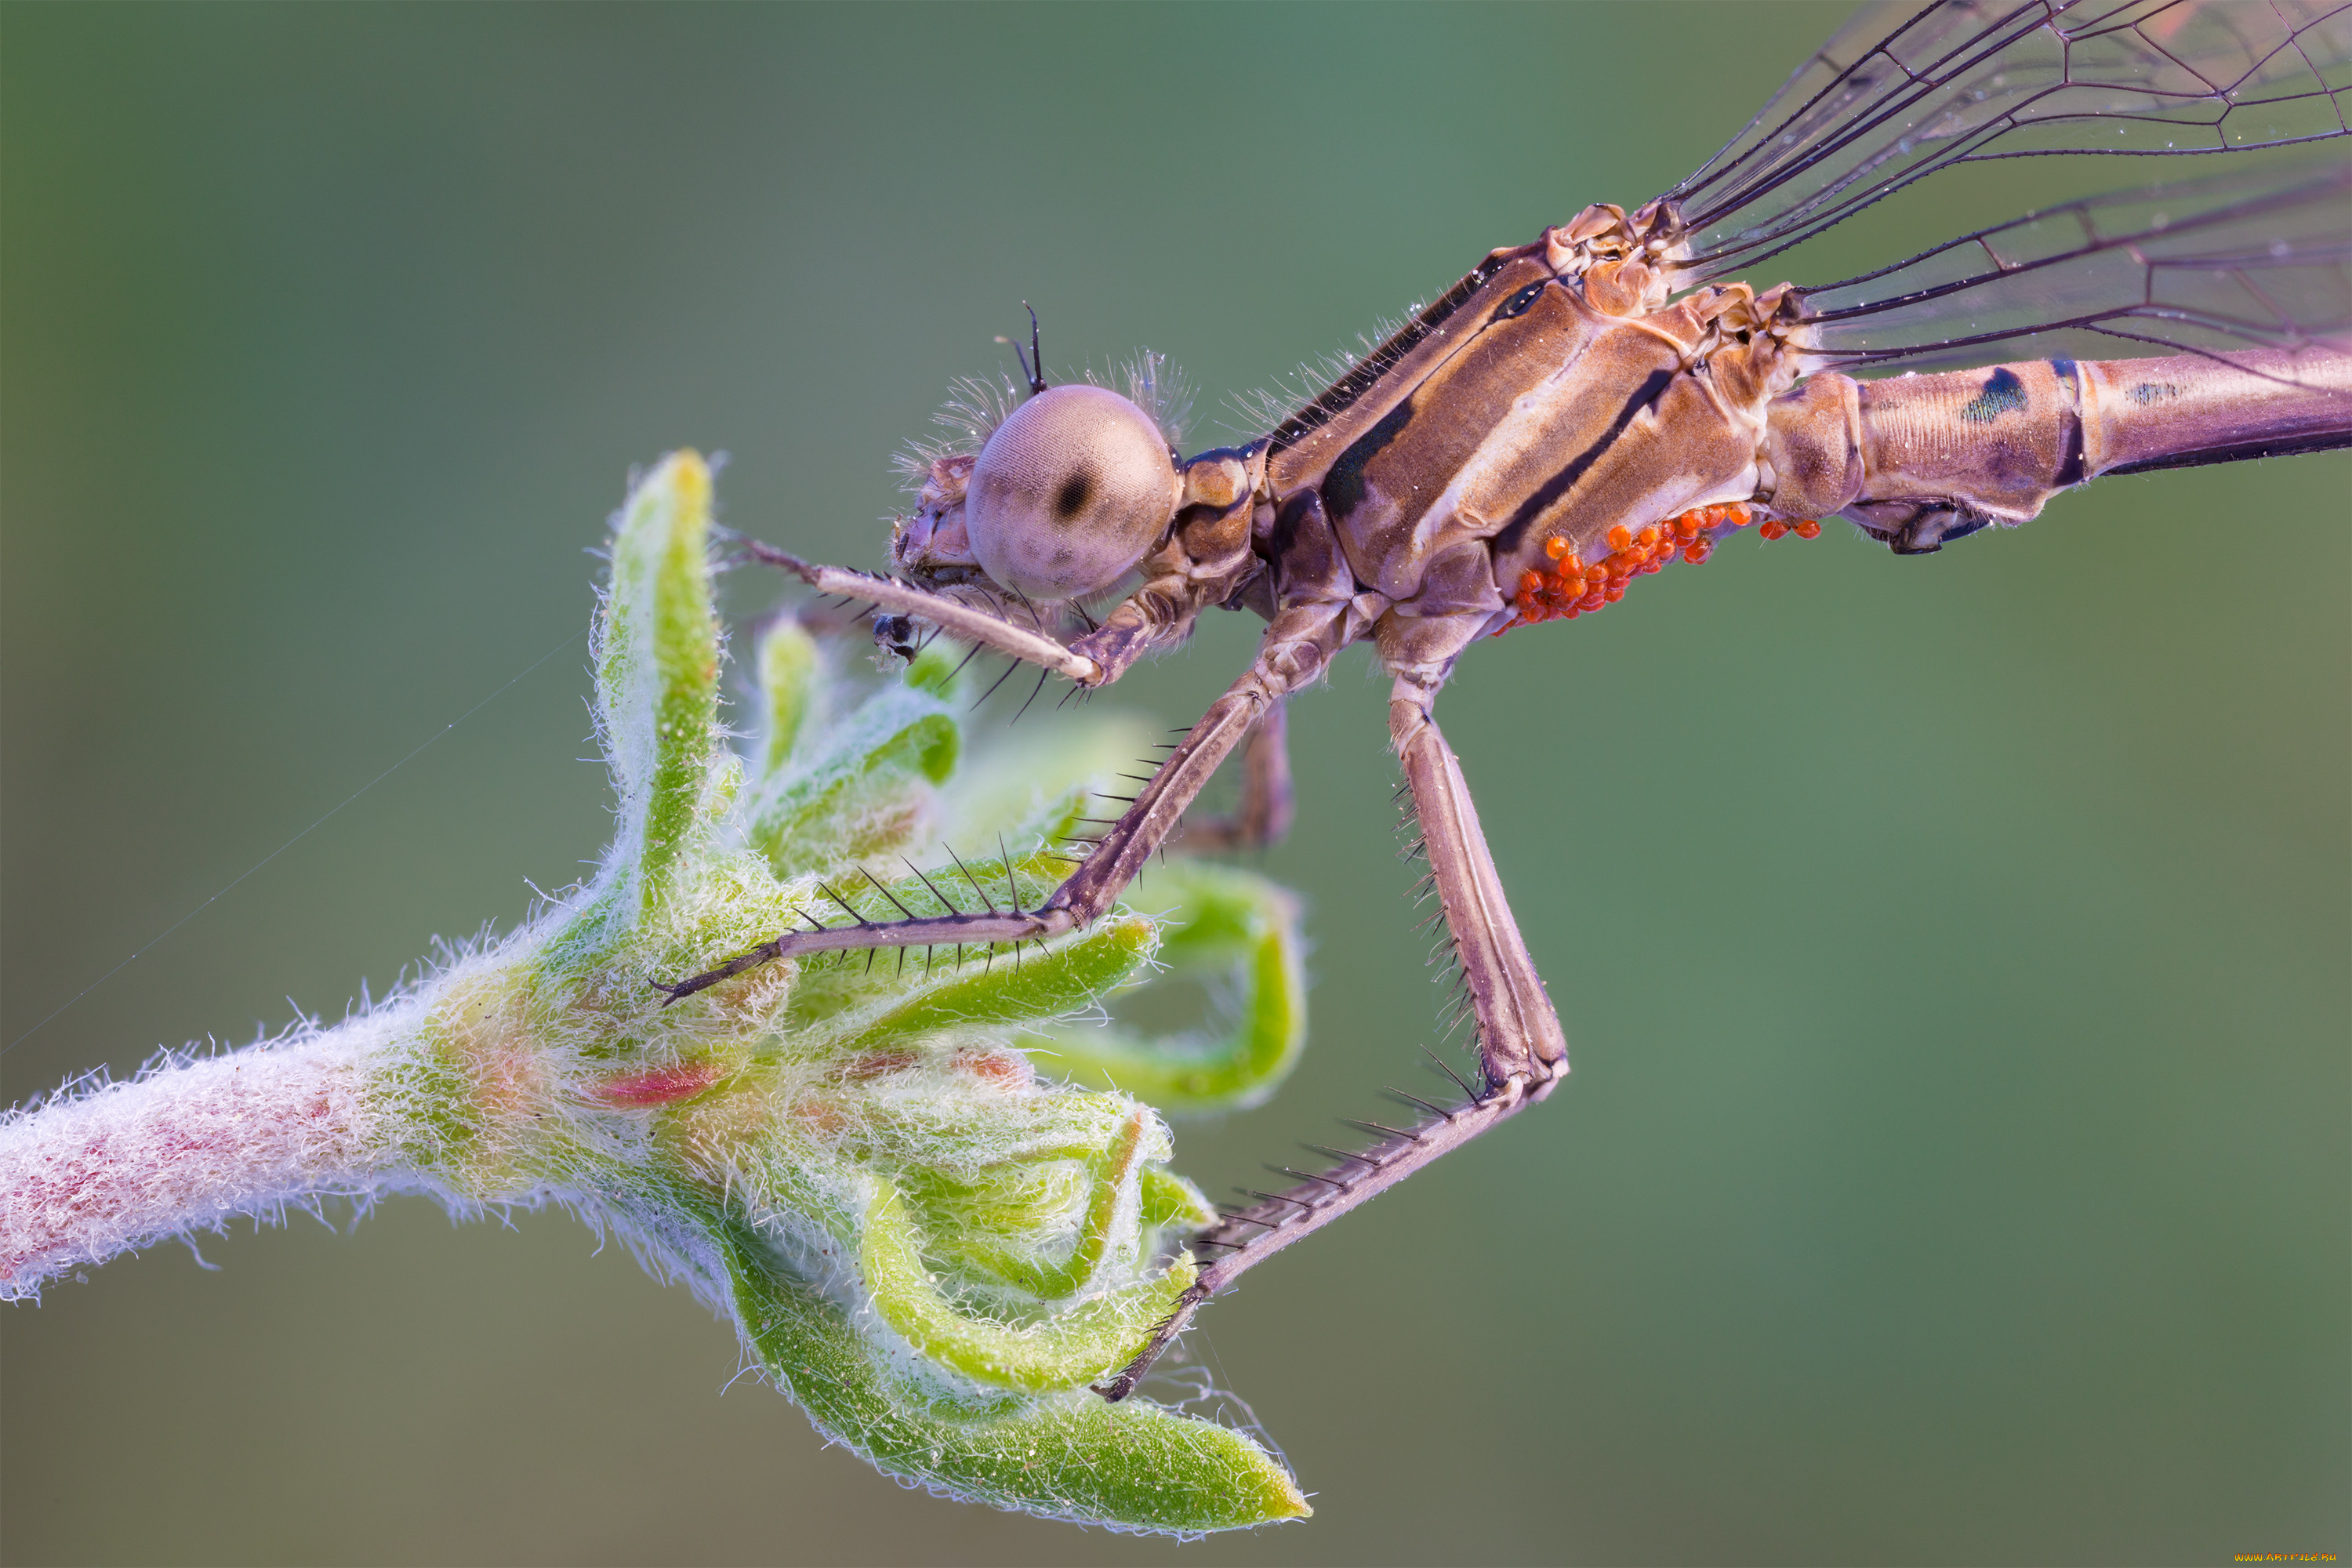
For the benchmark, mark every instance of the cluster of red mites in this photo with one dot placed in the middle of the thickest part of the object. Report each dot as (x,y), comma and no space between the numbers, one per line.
(1572,587)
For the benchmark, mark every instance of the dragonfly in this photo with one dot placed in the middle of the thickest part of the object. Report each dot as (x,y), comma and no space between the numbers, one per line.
(1611,399)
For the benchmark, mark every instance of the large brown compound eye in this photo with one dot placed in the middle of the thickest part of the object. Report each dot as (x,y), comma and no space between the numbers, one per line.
(1069,493)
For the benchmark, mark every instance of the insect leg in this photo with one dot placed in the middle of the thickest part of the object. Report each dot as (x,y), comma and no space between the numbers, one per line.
(1264,813)
(1130,843)
(1520,1043)
(967,622)
(1121,852)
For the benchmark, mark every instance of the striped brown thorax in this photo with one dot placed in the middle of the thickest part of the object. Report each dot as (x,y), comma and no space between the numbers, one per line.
(1547,397)
(1550,396)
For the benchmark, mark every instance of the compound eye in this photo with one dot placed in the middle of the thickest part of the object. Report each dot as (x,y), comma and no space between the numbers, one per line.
(1070,493)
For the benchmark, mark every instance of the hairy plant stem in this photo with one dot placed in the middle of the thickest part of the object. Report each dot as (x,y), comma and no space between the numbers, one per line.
(189,1145)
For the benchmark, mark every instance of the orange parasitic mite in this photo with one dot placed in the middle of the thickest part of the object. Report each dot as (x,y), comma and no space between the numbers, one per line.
(1571,588)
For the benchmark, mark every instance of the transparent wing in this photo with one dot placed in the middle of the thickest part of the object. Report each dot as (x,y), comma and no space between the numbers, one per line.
(2263,261)
(1902,91)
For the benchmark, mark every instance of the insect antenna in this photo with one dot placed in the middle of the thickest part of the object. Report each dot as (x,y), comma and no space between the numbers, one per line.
(1032,368)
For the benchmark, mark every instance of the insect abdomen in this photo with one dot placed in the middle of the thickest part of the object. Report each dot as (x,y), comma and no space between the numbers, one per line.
(1997,443)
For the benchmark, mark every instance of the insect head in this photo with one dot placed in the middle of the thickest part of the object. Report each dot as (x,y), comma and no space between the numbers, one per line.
(1071,492)
(1054,493)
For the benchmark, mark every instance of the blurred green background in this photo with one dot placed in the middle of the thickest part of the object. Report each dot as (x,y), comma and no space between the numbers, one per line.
(1954,950)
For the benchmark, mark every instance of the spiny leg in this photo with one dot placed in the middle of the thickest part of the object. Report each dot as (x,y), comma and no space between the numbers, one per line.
(1521,1047)
(1123,851)
(1117,856)
(1264,814)
(965,621)
(1519,1038)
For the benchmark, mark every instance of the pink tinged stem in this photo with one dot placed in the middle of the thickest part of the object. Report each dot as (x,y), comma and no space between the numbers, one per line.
(84,1179)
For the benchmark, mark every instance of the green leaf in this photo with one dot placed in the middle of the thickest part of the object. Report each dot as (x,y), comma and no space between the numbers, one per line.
(861,791)
(1046,980)
(833,986)
(1061,1350)
(1223,923)
(789,684)
(935,669)
(1067,1455)
(657,670)
(1001,1249)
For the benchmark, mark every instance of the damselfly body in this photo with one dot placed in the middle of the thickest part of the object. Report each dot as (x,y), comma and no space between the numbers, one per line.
(1586,409)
